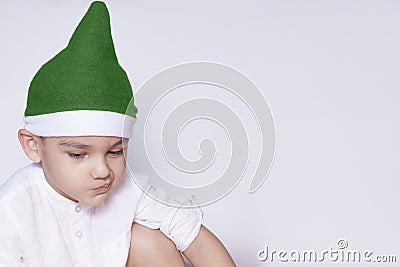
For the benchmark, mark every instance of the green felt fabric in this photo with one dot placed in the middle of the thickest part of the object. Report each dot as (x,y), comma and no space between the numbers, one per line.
(85,75)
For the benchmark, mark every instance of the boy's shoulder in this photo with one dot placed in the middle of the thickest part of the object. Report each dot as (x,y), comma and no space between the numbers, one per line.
(20,183)
(17,193)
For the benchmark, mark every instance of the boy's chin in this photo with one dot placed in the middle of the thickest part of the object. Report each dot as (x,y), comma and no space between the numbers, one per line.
(95,201)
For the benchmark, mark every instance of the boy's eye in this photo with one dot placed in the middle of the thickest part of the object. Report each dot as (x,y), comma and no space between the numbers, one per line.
(76,155)
(115,152)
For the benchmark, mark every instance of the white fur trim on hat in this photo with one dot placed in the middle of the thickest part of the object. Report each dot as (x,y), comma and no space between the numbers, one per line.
(81,123)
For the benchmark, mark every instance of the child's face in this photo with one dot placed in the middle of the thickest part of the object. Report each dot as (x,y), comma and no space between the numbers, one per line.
(83,169)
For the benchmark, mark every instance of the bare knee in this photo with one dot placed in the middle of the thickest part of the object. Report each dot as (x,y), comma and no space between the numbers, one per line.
(152,248)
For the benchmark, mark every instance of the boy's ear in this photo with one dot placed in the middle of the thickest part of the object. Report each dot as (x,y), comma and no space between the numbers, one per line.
(29,144)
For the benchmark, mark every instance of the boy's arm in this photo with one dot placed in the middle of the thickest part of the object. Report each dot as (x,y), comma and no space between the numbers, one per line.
(183,226)
(207,250)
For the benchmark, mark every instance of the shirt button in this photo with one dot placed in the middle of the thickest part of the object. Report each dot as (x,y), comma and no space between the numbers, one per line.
(78,234)
(77,208)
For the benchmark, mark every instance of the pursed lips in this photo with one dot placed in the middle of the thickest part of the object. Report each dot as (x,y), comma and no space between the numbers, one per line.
(106,185)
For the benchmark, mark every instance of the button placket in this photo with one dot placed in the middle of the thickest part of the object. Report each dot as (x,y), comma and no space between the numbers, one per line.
(78,221)
(80,233)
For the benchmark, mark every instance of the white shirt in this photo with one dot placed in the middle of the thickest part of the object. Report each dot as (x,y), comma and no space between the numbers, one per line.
(40,227)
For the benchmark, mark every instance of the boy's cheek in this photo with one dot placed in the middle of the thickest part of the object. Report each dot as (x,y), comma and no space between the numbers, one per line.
(118,178)
(120,167)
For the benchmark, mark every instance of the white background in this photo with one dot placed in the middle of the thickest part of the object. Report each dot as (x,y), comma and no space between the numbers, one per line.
(329,71)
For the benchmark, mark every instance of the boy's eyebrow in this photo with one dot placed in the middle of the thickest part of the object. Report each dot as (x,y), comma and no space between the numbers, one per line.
(80,145)
(73,144)
(117,143)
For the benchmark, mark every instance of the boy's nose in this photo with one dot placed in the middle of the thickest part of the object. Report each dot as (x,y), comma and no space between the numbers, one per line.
(100,169)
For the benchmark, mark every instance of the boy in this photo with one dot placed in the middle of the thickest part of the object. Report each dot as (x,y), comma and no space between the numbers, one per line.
(76,205)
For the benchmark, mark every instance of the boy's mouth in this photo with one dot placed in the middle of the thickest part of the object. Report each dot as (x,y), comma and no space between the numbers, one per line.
(105,186)
(103,189)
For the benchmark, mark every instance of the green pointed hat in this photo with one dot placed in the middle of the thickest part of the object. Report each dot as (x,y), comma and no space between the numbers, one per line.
(82,90)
